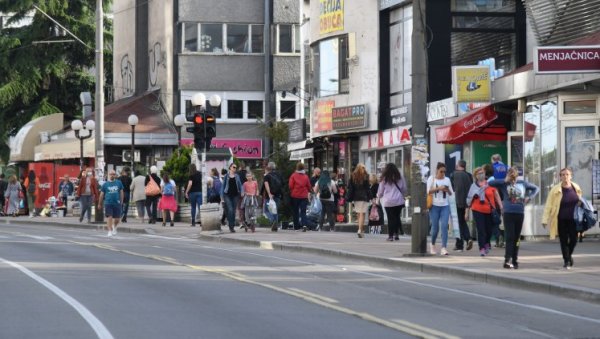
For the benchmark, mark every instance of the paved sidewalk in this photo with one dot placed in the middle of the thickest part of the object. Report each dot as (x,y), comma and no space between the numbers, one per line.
(540,268)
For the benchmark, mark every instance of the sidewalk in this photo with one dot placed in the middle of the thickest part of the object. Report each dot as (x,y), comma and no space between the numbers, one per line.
(540,262)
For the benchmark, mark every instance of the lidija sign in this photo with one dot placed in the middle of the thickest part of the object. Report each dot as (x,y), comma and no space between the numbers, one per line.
(566,59)
(241,148)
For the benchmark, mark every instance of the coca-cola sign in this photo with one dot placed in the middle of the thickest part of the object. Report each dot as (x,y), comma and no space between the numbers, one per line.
(566,59)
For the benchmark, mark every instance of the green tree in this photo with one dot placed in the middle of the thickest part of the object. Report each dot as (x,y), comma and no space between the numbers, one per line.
(178,165)
(38,78)
(278,133)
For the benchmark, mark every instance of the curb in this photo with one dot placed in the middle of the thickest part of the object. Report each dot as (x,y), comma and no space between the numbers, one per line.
(92,226)
(532,285)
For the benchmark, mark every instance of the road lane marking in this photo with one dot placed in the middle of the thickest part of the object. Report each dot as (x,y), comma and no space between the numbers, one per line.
(315,299)
(101,331)
(314,295)
(425,329)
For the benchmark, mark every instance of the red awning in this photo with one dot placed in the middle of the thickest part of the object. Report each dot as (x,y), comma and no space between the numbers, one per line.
(478,125)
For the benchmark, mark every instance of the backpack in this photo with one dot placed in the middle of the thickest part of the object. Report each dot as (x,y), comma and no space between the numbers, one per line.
(169,189)
(31,187)
(324,192)
(214,191)
(275,184)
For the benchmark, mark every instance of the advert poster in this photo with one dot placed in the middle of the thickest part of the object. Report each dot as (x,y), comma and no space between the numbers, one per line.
(471,84)
(331,16)
(322,121)
(349,117)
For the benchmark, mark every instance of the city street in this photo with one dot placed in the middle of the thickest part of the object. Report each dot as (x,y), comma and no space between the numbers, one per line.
(77,283)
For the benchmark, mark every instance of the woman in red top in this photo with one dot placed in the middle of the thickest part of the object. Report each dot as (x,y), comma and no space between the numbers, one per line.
(299,184)
(481,198)
(250,201)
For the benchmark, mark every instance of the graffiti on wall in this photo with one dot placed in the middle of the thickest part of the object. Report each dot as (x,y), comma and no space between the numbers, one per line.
(127,75)
(157,59)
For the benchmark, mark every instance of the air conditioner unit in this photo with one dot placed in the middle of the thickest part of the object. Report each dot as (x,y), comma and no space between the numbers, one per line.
(126,155)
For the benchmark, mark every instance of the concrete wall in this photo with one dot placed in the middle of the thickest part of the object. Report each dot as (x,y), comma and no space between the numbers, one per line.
(160,50)
(124,49)
(245,11)
(286,11)
(221,72)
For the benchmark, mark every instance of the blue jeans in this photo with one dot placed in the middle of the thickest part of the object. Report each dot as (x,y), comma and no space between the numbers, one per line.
(299,212)
(272,217)
(232,203)
(195,201)
(439,216)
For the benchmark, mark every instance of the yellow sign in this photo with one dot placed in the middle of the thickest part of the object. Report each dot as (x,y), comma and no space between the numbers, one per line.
(331,16)
(471,84)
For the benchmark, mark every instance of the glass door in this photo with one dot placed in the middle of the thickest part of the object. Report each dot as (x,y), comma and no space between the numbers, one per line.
(580,149)
(515,150)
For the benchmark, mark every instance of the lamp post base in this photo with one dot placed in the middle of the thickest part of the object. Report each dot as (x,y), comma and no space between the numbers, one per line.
(210,216)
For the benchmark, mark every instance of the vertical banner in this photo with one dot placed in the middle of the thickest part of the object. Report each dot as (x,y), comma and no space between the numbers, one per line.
(44,171)
(331,16)
(322,121)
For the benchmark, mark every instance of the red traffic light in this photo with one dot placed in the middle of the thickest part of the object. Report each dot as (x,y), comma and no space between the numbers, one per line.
(198,119)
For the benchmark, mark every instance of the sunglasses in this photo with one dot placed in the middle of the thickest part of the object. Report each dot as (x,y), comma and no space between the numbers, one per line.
(233,167)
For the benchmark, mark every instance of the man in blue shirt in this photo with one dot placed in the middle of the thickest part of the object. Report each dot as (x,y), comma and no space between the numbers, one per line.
(500,168)
(111,194)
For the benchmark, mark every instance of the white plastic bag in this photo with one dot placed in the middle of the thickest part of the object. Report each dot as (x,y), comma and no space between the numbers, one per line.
(272,206)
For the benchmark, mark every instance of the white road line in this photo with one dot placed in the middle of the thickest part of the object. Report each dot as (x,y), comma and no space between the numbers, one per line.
(101,331)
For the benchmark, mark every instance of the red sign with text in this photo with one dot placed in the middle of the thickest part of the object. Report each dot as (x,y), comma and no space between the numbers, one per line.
(567,59)
(241,148)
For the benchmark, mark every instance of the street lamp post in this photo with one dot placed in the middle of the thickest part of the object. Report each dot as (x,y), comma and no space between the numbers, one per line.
(132,120)
(179,121)
(82,132)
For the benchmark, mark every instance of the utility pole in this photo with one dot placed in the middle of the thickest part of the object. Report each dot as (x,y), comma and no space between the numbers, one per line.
(99,102)
(420,219)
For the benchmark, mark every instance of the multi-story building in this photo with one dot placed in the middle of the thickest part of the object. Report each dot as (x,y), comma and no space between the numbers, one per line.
(246,52)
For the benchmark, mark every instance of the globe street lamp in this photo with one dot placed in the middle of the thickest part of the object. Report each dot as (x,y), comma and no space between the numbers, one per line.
(132,120)
(82,132)
(179,121)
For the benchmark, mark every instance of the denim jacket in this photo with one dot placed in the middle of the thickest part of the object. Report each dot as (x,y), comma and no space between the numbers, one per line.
(225,186)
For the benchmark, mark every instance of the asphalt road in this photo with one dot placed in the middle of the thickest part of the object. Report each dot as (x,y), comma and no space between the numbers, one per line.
(74,283)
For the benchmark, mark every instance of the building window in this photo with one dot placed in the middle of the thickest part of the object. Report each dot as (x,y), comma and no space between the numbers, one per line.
(190,43)
(287,109)
(235,109)
(255,109)
(218,38)
(333,66)
(211,38)
(580,107)
(288,38)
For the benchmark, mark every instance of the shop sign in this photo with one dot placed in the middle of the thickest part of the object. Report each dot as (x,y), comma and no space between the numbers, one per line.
(331,16)
(397,136)
(240,148)
(471,84)
(301,154)
(322,118)
(401,115)
(297,130)
(349,117)
(566,59)
(441,109)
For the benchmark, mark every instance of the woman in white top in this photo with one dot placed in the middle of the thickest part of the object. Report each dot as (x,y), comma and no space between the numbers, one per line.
(439,214)
(325,188)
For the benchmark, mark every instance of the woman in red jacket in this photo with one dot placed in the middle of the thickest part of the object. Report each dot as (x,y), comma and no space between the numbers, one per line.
(299,184)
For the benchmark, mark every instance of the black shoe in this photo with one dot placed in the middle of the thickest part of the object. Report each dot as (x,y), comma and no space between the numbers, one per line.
(124,220)
(231,230)
(515,265)
(192,225)
(172,224)
(469,245)
(580,238)
(396,237)
(571,262)
(508,265)
(566,265)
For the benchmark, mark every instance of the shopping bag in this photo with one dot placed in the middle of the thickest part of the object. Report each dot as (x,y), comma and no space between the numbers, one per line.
(374,213)
(272,206)
(152,188)
(315,208)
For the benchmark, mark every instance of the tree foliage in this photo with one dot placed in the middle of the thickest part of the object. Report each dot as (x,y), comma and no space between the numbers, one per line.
(38,78)
(178,165)
(278,133)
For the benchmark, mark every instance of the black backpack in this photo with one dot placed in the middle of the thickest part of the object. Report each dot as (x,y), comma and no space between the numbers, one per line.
(324,192)
(275,184)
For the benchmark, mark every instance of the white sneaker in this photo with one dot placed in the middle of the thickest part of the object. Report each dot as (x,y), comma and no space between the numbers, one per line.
(114,231)
(444,251)
(432,249)
(109,234)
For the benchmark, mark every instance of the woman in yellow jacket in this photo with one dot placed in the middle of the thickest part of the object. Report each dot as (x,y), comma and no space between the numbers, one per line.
(558,213)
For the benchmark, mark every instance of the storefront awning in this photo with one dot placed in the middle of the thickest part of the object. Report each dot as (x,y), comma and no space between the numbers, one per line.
(479,125)
(64,149)
(23,144)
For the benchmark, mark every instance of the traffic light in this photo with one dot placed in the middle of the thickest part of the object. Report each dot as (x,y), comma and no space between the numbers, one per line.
(210,130)
(199,131)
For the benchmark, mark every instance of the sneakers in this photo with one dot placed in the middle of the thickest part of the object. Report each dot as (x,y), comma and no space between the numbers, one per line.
(469,245)
(487,248)
(444,251)
(482,252)
(432,249)
(508,265)
(455,249)
(114,231)
(304,228)
(110,234)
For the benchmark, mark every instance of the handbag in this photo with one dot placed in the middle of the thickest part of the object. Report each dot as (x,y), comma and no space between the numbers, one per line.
(152,188)
(374,213)
(429,201)
(496,218)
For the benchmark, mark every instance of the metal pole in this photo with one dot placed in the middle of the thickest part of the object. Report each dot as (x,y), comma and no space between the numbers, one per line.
(132,145)
(99,217)
(420,220)
(80,153)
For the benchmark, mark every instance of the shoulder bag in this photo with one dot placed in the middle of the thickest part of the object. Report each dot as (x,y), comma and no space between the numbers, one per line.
(152,188)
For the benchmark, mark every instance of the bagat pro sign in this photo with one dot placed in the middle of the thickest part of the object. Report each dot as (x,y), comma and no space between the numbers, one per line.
(471,84)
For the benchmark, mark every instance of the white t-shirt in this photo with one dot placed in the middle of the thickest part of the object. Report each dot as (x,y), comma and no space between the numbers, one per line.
(439,198)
